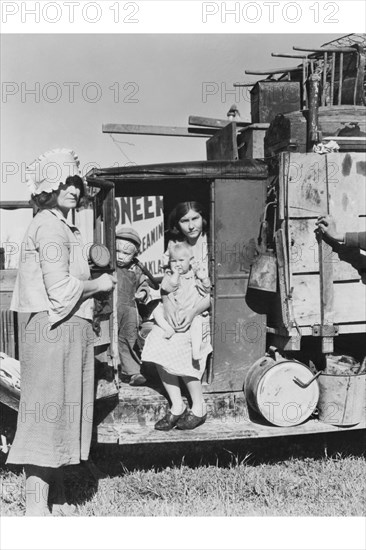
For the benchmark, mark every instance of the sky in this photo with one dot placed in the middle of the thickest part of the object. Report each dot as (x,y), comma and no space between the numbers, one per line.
(81,81)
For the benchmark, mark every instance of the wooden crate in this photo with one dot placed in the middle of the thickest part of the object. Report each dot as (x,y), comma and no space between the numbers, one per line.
(251,141)
(223,145)
(286,133)
(332,119)
(302,197)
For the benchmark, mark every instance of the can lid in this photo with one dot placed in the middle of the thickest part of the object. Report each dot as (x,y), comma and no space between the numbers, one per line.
(99,255)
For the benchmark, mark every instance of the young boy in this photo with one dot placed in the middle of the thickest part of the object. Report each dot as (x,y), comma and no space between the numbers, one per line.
(132,287)
(184,287)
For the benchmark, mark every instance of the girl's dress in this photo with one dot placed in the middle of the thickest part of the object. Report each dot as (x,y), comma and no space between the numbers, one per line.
(174,355)
(57,346)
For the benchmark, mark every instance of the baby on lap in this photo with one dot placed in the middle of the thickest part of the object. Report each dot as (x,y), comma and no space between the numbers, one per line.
(184,288)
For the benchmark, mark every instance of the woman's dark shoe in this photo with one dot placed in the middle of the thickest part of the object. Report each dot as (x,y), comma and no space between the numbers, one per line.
(137,380)
(168,421)
(190,421)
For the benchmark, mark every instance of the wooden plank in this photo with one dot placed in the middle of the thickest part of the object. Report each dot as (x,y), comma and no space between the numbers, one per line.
(326,292)
(14,205)
(328,49)
(283,179)
(273,71)
(147,404)
(352,328)
(208,122)
(214,122)
(347,189)
(326,276)
(244,84)
(258,126)
(331,119)
(359,93)
(145,130)
(252,169)
(340,84)
(223,145)
(289,55)
(306,177)
(218,430)
(304,257)
(314,98)
(348,144)
(282,278)
(349,301)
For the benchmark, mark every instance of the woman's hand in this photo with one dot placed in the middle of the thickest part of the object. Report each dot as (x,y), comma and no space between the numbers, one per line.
(103,285)
(170,312)
(185,320)
(106,283)
(202,272)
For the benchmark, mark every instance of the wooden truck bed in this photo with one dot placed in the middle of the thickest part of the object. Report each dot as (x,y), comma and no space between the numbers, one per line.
(131,420)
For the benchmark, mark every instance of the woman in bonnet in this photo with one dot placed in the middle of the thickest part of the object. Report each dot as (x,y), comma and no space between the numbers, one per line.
(57,353)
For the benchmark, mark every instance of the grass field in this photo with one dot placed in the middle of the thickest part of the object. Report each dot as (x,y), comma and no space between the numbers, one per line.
(308,478)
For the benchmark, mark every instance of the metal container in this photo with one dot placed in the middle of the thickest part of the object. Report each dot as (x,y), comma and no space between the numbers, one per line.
(342,399)
(272,388)
(269,98)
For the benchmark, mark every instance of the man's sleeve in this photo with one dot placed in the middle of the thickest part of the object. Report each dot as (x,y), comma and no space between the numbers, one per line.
(356,240)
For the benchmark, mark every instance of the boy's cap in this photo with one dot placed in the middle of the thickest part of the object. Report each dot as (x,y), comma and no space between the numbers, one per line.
(126,232)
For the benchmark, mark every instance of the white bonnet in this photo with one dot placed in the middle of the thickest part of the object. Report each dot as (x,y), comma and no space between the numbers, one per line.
(49,170)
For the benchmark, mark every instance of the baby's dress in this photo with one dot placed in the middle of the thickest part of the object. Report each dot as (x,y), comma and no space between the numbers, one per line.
(175,354)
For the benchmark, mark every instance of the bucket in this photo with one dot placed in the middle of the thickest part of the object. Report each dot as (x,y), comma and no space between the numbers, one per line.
(263,271)
(272,388)
(342,398)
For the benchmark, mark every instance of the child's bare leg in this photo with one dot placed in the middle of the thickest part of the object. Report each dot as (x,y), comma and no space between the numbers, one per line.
(196,337)
(195,391)
(172,387)
(162,322)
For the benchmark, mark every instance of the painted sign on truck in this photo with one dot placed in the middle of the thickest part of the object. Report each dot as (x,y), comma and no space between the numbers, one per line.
(145,215)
